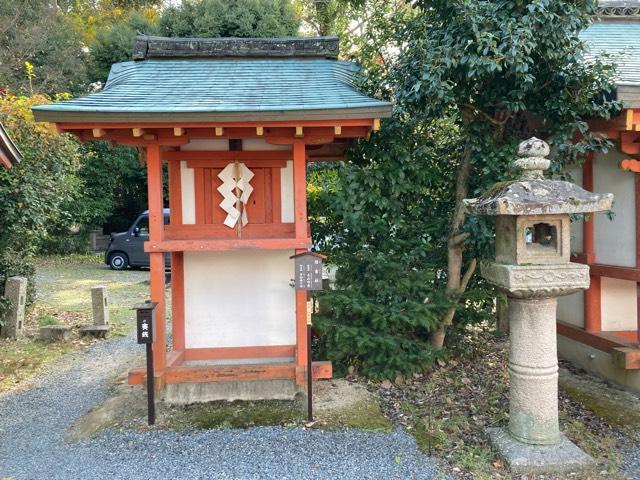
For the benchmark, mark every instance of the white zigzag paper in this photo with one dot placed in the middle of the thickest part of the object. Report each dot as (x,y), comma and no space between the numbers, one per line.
(228,192)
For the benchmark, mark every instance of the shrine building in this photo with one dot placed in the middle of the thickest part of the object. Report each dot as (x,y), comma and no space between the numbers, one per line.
(9,153)
(599,330)
(234,122)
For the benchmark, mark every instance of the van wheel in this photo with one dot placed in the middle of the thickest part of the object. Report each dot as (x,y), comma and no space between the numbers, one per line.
(118,261)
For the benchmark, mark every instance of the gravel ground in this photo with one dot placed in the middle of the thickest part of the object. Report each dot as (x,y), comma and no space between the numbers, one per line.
(33,423)
(631,462)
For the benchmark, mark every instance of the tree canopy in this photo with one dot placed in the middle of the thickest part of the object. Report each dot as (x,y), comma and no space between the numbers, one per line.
(34,193)
(37,34)
(192,18)
(470,80)
(218,18)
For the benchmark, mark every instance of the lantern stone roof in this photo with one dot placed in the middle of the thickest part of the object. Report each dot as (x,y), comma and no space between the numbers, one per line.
(532,194)
(9,153)
(229,79)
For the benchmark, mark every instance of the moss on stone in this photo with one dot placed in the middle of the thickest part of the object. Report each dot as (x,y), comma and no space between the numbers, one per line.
(363,415)
(609,409)
(495,189)
(239,414)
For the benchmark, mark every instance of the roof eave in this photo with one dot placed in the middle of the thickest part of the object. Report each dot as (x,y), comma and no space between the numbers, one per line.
(69,116)
(9,152)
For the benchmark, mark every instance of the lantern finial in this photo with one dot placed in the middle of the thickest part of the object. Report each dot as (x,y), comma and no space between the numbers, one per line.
(532,159)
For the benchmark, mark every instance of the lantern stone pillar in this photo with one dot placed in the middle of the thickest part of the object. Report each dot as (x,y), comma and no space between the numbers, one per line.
(532,267)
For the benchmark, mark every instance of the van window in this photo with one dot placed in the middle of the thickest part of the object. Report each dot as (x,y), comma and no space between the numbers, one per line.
(143,225)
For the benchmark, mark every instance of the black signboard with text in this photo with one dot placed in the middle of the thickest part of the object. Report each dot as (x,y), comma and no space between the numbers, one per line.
(146,322)
(308,270)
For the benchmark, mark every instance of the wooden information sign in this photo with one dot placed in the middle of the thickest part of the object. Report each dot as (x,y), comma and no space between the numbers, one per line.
(308,270)
(146,322)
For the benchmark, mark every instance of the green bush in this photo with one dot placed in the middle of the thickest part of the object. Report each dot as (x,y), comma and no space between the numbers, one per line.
(380,218)
(36,192)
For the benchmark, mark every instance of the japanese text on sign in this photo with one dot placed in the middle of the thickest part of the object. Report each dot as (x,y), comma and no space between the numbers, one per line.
(308,273)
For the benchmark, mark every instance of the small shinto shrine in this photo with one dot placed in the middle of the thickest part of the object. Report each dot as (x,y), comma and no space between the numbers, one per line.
(235,122)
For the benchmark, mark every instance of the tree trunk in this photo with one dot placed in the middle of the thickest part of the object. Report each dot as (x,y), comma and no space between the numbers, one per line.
(502,314)
(456,282)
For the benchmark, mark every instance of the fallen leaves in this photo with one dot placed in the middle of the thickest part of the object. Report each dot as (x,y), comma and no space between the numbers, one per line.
(448,408)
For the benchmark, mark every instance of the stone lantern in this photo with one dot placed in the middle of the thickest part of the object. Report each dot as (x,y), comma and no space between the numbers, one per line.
(532,267)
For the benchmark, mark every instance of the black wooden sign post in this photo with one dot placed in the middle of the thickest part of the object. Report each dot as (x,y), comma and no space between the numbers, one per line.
(308,268)
(146,320)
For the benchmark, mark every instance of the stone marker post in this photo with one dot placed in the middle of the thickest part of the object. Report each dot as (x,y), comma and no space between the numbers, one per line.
(15,289)
(100,308)
(532,267)
(100,304)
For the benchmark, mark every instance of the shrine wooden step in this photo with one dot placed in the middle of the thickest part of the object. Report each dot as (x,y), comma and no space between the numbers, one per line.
(626,357)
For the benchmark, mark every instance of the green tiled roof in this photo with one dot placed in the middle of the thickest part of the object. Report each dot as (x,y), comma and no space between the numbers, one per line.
(222,89)
(621,40)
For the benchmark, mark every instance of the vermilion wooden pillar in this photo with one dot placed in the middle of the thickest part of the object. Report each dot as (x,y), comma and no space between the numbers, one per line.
(592,297)
(637,207)
(300,207)
(177,258)
(156,259)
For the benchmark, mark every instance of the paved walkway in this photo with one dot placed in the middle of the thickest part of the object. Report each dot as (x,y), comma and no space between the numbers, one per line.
(33,423)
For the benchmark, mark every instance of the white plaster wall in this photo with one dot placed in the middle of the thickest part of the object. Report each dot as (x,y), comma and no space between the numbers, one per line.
(286,199)
(187,182)
(619,305)
(571,309)
(616,239)
(239,298)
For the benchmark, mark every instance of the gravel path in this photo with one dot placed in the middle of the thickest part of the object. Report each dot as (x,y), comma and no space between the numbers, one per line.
(33,423)
(631,462)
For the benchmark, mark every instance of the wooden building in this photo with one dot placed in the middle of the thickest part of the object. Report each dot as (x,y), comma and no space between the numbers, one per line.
(235,122)
(599,330)
(9,153)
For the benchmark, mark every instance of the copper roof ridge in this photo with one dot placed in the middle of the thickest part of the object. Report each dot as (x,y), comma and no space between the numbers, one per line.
(146,47)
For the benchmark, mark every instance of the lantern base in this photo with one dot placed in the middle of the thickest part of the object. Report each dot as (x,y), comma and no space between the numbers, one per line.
(521,458)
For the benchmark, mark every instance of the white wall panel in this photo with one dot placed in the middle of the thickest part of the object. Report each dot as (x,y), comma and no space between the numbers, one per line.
(286,180)
(619,304)
(571,309)
(615,239)
(239,298)
(188,194)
